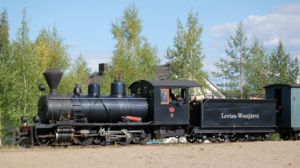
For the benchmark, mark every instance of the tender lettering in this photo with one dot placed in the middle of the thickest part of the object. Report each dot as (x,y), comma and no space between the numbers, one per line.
(248,116)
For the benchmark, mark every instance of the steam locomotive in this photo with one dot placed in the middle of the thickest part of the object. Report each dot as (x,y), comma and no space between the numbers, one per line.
(154,110)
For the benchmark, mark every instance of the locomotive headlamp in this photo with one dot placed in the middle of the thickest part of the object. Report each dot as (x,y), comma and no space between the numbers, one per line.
(24,119)
(42,87)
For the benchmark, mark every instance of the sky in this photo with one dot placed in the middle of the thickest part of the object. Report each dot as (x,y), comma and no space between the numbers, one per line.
(85,26)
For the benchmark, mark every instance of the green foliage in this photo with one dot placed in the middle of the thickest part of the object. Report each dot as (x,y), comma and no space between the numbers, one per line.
(51,52)
(186,57)
(4,60)
(133,58)
(79,74)
(275,137)
(4,38)
(233,67)
(20,95)
(82,72)
(250,69)
(25,69)
(256,70)
(283,69)
(22,65)
(294,69)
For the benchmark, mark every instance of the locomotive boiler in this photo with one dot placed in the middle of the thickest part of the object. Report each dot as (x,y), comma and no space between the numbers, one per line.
(92,107)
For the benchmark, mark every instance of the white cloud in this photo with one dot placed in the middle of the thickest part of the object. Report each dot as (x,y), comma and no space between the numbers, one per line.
(223,30)
(292,8)
(281,24)
(271,42)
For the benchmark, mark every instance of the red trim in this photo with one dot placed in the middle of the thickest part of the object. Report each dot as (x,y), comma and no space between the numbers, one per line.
(134,119)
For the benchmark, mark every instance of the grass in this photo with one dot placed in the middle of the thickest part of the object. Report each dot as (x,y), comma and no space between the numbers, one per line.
(275,137)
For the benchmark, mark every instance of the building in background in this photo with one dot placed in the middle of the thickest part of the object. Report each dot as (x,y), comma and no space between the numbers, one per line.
(211,91)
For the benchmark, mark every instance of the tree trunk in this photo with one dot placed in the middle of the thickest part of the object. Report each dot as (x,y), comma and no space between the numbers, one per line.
(241,76)
(25,85)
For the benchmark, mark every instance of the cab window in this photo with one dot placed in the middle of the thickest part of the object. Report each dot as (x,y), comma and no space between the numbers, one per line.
(164,96)
(178,95)
(173,96)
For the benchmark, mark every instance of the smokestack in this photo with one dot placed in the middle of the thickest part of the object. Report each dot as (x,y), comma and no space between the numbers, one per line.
(53,77)
(102,69)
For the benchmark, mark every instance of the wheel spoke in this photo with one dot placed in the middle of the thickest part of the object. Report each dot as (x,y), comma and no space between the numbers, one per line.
(43,141)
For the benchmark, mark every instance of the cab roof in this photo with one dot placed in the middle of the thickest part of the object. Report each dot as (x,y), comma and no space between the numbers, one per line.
(283,85)
(168,83)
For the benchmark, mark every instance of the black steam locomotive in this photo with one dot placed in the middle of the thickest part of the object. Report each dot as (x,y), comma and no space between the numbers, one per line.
(154,110)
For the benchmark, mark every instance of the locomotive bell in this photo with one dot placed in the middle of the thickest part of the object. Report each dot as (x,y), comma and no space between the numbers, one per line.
(53,77)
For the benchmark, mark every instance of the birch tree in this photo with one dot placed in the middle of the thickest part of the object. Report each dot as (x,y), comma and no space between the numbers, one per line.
(283,68)
(185,59)
(233,66)
(133,58)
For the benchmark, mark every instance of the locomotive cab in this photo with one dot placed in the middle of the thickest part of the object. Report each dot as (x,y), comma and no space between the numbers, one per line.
(169,104)
(169,99)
